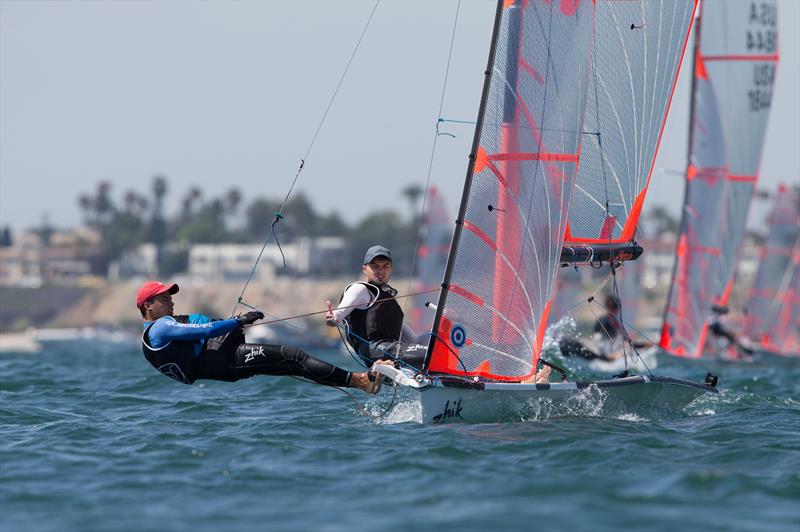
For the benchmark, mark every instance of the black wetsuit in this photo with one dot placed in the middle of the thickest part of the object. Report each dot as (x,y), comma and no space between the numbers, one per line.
(374,332)
(228,358)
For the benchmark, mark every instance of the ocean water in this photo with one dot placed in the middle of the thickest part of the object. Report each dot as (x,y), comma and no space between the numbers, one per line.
(92,438)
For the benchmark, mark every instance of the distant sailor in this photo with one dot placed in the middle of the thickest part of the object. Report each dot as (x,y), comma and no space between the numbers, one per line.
(722,337)
(188,348)
(607,337)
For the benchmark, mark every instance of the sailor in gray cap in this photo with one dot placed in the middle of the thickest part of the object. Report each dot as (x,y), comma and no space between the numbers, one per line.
(372,316)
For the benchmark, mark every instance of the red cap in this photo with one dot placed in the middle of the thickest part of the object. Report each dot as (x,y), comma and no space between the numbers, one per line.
(152,289)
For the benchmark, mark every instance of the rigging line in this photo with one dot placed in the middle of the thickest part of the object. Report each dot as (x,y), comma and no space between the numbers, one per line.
(346,344)
(449,121)
(278,213)
(333,97)
(433,147)
(623,326)
(615,290)
(590,298)
(393,357)
(326,310)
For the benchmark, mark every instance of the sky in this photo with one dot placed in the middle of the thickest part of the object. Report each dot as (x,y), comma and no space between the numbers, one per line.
(230,94)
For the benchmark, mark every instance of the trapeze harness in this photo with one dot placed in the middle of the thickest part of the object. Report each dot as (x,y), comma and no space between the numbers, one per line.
(227,357)
(374,332)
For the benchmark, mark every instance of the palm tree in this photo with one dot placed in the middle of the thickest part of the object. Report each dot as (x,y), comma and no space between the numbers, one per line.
(413,192)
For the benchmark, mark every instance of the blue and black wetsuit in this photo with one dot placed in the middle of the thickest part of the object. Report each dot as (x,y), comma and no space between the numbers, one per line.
(188,348)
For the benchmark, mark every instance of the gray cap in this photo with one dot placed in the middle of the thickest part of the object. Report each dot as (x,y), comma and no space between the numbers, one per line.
(377,251)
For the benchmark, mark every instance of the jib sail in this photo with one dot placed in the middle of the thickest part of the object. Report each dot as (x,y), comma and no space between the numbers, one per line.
(638,47)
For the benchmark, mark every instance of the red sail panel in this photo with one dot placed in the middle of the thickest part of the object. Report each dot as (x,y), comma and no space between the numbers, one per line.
(771,315)
(638,47)
(505,255)
(732,90)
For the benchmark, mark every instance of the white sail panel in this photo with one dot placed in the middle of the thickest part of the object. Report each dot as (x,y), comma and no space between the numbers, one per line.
(739,50)
(505,253)
(638,47)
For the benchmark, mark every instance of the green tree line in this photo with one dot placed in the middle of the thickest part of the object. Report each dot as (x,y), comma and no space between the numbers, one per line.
(128,220)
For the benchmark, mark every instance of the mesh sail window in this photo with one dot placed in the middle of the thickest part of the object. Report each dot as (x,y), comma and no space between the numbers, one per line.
(506,248)
(638,47)
(771,317)
(727,133)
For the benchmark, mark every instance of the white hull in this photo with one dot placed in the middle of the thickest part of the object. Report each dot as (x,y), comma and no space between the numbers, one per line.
(498,402)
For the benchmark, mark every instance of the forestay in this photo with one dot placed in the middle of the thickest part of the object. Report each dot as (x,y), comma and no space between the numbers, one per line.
(772,305)
(638,47)
(506,248)
(736,52)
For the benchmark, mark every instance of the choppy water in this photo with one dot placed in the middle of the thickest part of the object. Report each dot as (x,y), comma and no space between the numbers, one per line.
(95,439)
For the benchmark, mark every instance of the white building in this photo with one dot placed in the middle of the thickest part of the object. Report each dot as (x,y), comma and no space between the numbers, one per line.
(233,262)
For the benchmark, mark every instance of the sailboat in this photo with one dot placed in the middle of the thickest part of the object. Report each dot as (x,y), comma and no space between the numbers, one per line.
(772,320)
(736,54)
(526,162)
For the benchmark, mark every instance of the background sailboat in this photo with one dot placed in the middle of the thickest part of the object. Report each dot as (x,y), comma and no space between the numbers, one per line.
(772,319)
(436,231)
(736,52)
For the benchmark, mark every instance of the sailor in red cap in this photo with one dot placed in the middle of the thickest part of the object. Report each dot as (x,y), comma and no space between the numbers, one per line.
(192,347)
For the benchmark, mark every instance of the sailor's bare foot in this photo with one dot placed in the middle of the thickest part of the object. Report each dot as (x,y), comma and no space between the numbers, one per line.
(541,377)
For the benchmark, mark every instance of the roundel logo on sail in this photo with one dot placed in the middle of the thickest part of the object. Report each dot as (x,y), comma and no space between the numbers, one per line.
(458,336)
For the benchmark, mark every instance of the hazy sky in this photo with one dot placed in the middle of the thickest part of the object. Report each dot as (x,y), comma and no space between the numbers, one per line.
(221,94)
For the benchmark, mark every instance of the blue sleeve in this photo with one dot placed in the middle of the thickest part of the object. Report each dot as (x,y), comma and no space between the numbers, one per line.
(199,318)
(166,330)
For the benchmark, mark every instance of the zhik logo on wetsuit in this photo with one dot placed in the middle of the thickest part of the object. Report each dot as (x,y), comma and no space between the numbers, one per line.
(173,371)
(254,352)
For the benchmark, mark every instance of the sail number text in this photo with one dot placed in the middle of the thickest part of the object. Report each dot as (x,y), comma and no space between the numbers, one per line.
(760,96)
(761,35)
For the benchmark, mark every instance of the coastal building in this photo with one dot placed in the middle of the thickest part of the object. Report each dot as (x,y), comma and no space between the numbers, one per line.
(319,257)
(63,259)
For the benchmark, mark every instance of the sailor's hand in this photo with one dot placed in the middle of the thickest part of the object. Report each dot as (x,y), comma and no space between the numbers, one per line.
(330,321)
(250,317)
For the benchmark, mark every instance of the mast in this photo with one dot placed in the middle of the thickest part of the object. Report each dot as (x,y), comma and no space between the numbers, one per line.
(462,209)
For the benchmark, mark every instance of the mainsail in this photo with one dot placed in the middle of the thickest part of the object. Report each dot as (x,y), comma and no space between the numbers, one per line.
(638,47)
(774,303)
(506,248)
(735,59)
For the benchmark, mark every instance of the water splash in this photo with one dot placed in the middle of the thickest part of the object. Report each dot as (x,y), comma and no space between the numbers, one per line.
(403,412)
